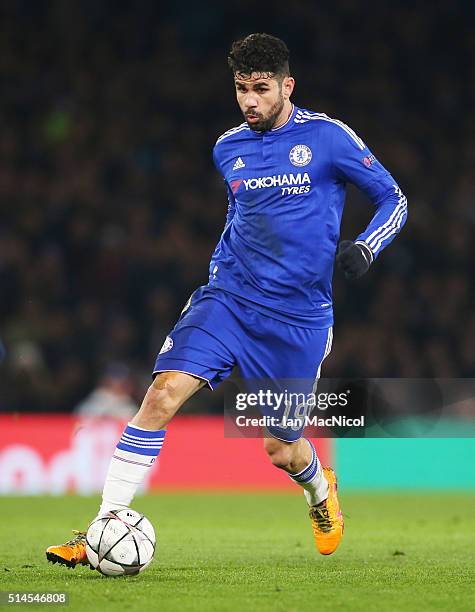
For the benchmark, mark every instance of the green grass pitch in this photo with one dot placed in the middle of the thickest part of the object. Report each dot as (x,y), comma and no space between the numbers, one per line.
(255,552)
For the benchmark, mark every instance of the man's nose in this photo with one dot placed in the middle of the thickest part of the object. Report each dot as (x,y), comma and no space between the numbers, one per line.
(250,100)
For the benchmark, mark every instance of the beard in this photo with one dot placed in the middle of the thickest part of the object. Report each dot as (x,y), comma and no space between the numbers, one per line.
(266,123)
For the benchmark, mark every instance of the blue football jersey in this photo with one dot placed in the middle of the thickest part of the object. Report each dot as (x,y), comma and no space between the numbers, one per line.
(286,191)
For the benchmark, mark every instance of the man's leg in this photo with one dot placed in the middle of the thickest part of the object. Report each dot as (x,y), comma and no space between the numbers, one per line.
(143,437)
(199,350)
(299,459)
(135,453)
(289,358)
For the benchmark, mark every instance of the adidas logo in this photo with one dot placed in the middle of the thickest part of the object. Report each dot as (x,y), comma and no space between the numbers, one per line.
(238,164)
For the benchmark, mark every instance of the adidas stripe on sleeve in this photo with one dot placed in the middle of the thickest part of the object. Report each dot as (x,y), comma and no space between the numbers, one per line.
(355,163)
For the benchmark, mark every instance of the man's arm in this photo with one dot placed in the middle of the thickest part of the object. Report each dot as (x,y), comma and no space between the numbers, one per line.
(231,201)
(355,163)
(231,207)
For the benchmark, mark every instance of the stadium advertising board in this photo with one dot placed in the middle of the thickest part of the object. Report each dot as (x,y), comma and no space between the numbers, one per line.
(60,453)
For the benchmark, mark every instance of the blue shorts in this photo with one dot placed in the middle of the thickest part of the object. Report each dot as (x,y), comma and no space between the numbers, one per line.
(216,332)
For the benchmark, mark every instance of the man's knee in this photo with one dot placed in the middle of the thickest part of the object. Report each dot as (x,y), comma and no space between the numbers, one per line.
(280,453)
(168,392)
(162,397)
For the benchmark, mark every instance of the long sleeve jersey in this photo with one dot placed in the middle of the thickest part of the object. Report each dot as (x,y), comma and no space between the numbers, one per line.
(286,190)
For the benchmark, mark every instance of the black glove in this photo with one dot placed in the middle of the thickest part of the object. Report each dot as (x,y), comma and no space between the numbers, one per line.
(354,258)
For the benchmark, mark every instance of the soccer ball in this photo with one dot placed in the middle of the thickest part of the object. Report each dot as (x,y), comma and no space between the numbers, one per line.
(121,542)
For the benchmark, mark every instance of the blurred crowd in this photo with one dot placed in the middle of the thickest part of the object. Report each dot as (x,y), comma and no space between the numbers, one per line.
(110,206)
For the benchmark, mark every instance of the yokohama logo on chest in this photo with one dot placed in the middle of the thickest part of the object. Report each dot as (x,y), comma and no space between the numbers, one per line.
(290,183)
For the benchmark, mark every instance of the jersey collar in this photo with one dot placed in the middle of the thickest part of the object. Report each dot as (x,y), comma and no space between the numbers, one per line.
(289,120)
(282,128)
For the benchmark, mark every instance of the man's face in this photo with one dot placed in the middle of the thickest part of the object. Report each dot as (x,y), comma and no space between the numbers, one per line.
(261,98)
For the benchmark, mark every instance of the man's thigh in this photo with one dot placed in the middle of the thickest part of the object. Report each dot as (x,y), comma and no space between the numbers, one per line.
(284,362)
(203,342)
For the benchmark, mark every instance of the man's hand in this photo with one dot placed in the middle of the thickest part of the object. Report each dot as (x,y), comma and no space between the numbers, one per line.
(354,258)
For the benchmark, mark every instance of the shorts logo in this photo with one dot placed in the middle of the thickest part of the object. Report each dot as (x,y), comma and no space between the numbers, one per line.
(167,345)
(300,155)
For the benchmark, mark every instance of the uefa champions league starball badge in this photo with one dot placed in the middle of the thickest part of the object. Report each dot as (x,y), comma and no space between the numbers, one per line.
(300,155)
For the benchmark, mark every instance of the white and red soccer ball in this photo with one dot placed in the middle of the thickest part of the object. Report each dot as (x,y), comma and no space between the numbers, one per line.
(121,542)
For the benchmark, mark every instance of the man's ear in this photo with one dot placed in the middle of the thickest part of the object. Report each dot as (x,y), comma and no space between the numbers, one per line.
(288,85)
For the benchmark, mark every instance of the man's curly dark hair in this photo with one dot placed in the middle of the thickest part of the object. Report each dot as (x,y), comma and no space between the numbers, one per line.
(261,53)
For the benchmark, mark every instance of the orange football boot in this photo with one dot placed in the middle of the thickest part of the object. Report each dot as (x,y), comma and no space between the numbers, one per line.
(71,553)
(326,517)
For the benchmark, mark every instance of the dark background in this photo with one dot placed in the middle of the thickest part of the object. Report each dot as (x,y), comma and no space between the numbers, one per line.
(110,206)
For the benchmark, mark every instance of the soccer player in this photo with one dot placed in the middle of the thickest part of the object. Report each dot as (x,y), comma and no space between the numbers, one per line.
(268,305)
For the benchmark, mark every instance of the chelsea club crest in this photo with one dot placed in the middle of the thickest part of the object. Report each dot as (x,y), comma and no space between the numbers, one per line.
(167,345)
(300,155)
